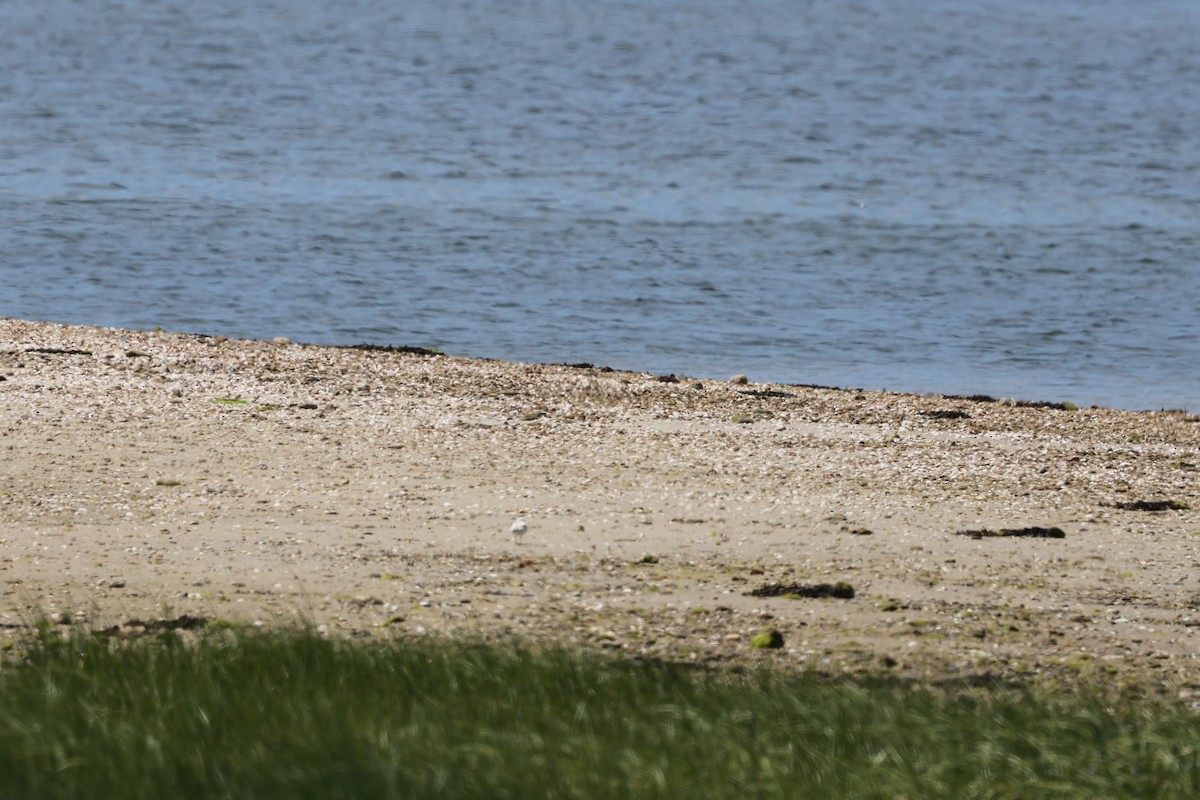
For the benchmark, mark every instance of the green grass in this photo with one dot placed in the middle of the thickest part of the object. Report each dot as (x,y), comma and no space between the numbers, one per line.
(254,715)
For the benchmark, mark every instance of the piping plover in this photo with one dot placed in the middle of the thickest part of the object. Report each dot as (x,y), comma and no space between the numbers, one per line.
(518,529)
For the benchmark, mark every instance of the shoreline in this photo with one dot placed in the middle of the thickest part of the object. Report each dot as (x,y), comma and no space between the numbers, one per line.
(370,491)
(999,394)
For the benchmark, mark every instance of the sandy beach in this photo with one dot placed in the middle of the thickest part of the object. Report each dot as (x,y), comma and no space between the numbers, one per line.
(151,476)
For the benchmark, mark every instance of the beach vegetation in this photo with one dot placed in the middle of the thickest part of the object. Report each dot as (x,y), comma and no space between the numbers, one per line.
(234,712)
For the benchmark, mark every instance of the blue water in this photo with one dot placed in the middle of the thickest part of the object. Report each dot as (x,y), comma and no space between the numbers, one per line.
(961,197)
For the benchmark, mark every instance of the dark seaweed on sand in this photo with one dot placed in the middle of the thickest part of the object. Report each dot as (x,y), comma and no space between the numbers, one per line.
(1032,532)
(1153,505)
(58,351)
(945,414)
(389,348)
(840,590)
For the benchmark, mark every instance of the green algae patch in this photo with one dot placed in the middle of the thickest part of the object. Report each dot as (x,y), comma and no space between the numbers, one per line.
(767,640)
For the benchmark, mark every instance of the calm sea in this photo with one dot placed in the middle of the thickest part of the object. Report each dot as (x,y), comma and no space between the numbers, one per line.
(959,196)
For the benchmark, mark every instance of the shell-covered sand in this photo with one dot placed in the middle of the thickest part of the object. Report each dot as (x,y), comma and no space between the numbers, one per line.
(150,476)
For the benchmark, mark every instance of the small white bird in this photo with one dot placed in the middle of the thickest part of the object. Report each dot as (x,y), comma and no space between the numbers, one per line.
(518,529)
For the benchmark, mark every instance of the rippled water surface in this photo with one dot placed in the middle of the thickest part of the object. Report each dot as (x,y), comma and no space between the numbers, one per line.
(963,197)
